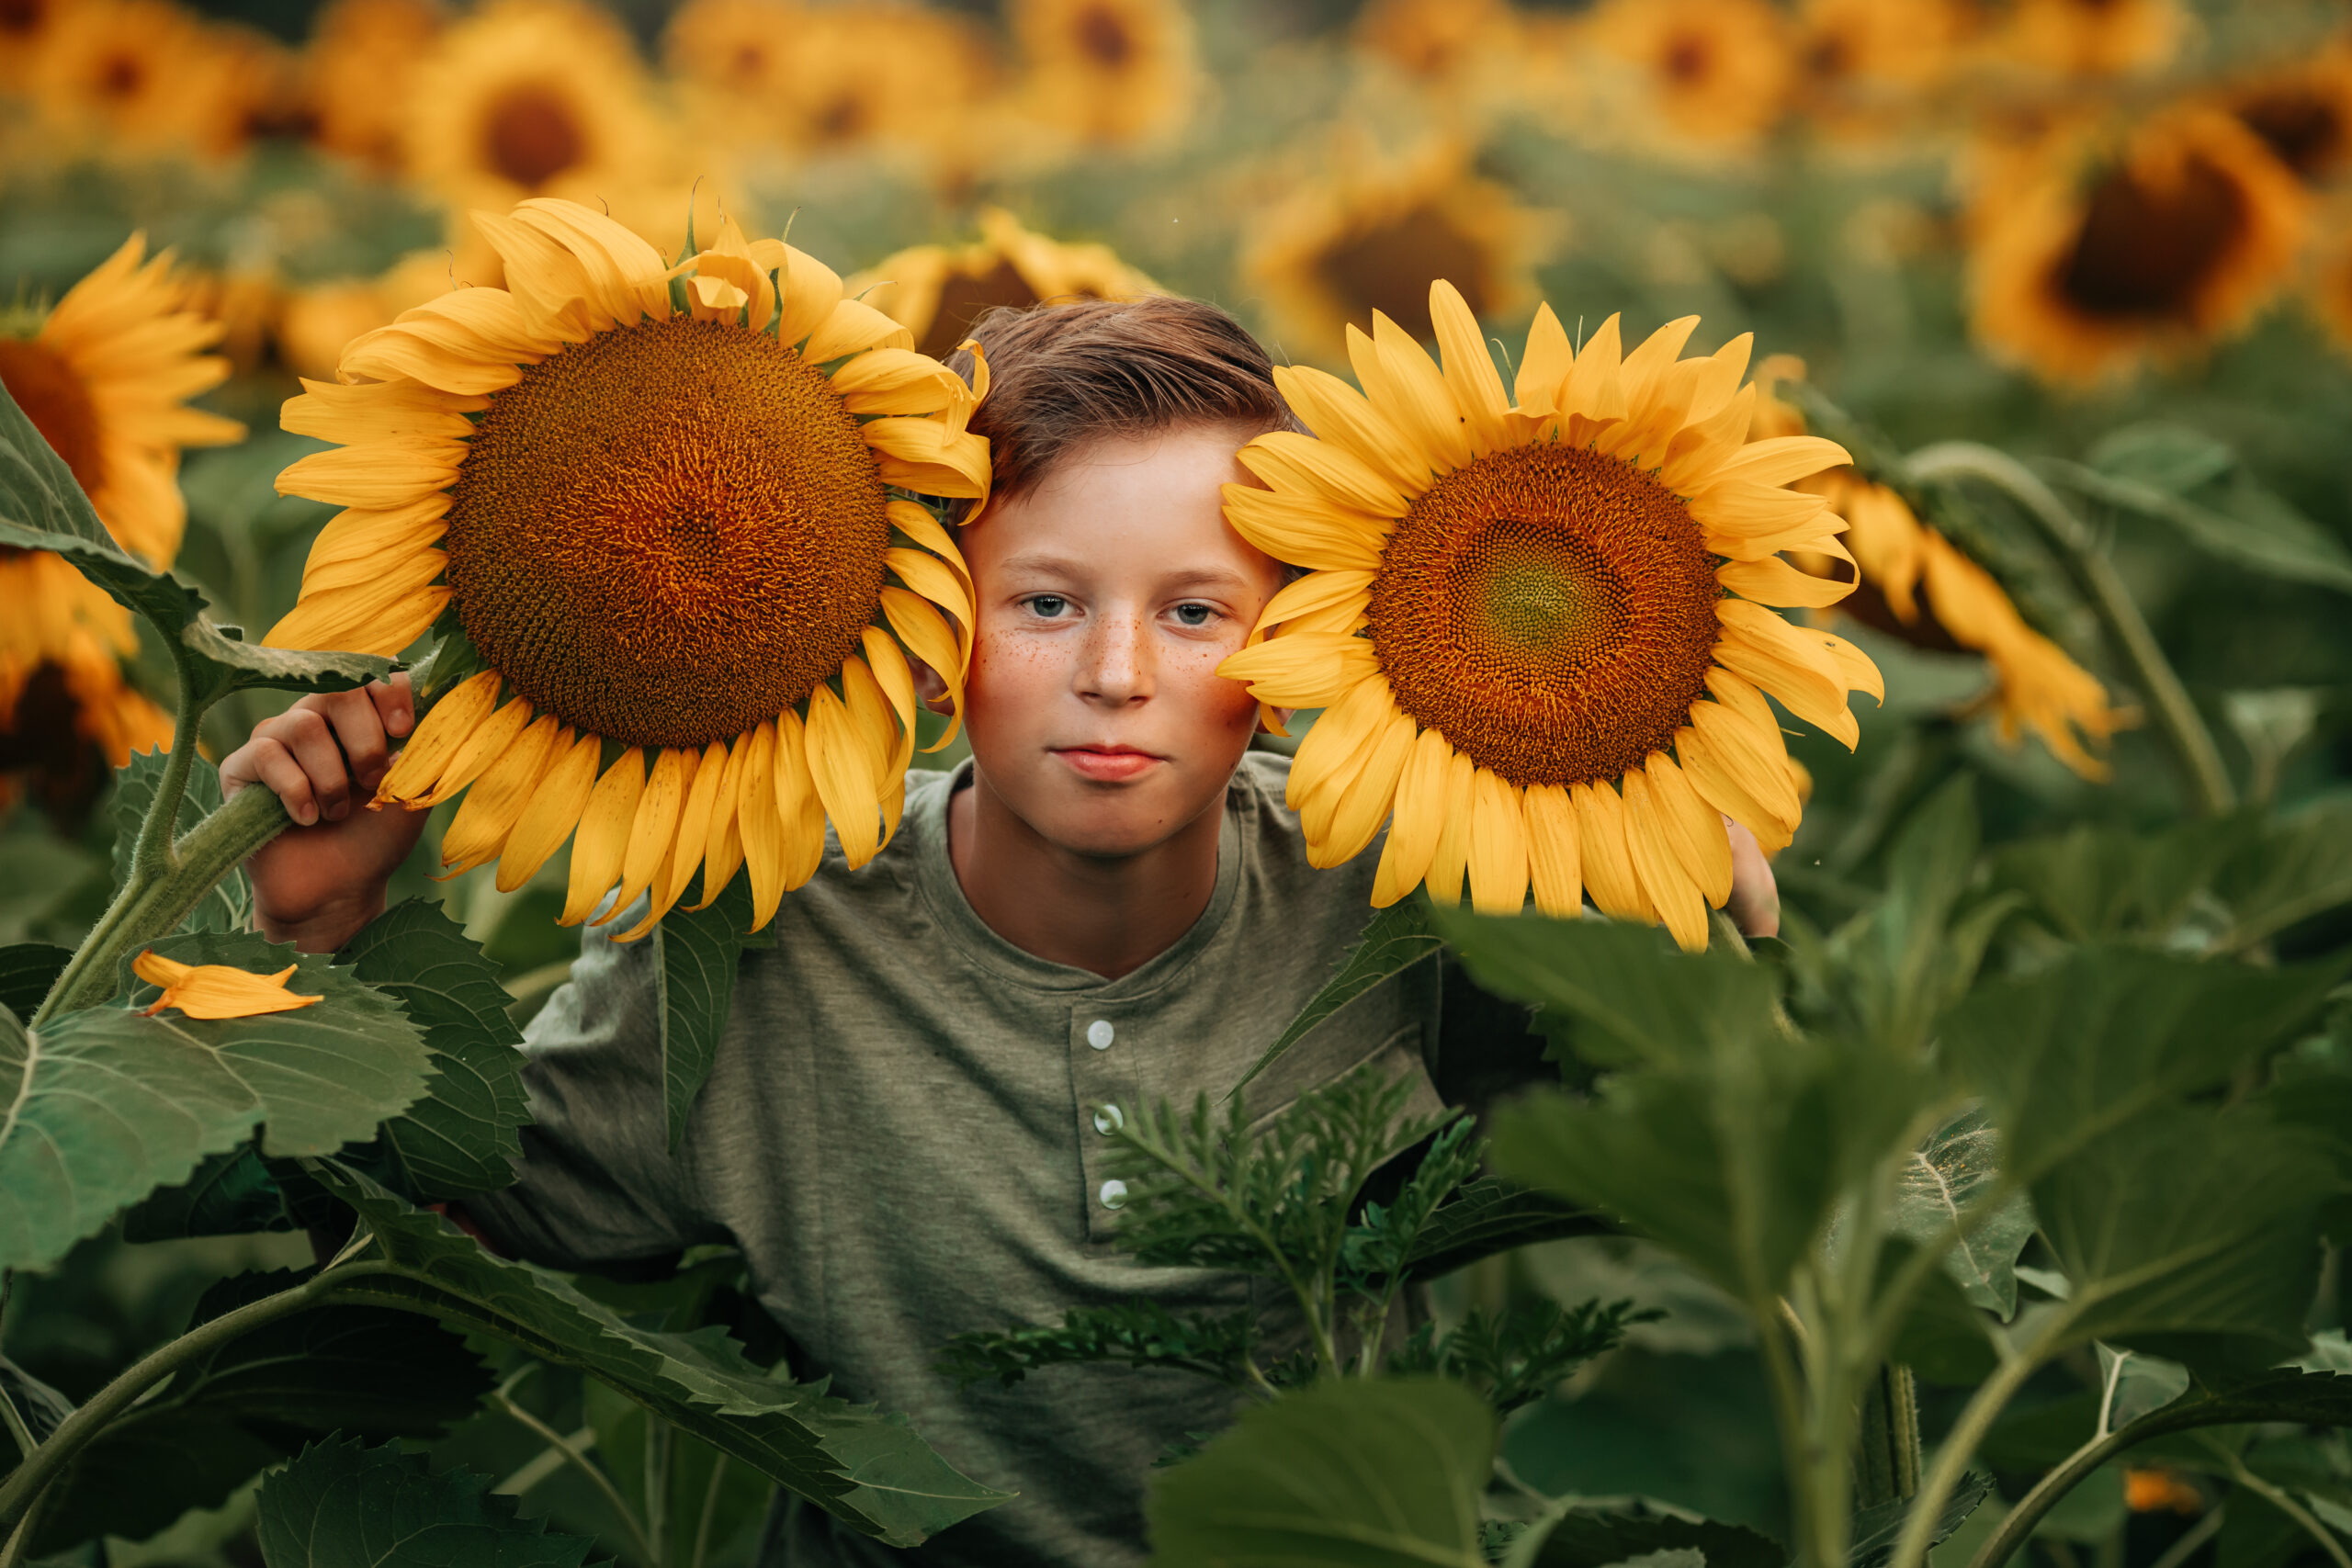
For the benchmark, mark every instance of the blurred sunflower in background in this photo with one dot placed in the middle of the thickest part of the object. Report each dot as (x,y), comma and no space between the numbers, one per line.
(2091,255)
(1535,620)
(1107,73)
(2091,37)
(534,97)
(2302,112)
(1861,65)
(1711,74)
(1455,52)
(936,292)
(1911,582)
(144,75)
(1373,238)
(104,376)
(650,507)
(317,322)
(360,73)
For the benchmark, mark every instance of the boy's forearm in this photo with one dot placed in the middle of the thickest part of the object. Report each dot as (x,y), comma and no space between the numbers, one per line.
(327,930)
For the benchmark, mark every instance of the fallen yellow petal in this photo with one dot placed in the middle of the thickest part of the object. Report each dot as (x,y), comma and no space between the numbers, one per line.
(217,990)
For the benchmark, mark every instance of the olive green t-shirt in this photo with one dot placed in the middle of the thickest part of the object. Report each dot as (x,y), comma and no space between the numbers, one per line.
(899,1134)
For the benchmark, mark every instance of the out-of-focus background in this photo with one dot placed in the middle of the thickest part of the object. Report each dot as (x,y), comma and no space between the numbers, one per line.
(2112,236)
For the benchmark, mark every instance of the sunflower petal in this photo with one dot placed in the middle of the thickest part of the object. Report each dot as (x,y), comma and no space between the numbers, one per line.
(852,328)
(328,411)
(373,476)
(798,809)
(723,857)
(1607,865)
(888,664)
(1305,530)
(1409,389)
(1336,412)
(1693,829)
(1451,859)
(1303,669)
(1302,466)
(1774,581)
(602,836)
(628,271)
(478,832)
(551,815)
(928,636)
(898,381)
(1595,388)
(1719,787)
(1667,886)
(217,990)
(1498,846)
(1470,371)
(1349,591)
(654,828)
(1801,673)
(1544,365)
(1371,794)
(810,289)
(757,822)
(1555,865)
(1777,460)
(1415,821)
(933,580)
(843,766)
(447,725)
(488,742)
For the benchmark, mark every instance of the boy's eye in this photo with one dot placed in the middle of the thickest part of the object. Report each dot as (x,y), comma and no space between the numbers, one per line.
(1195,614)
(1046,604)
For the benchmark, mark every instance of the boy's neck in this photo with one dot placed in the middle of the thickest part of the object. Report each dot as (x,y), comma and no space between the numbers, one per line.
(1106,915)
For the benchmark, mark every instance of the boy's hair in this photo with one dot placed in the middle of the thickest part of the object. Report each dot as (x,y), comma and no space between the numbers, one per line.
(1063,375)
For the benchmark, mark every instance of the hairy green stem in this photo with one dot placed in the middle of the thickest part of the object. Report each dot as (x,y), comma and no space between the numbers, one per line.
(30,1480)
(1983,1407)
(594,1473)
(2102,587)
(152,857)
(20,1539)
(2278,1498)
(151,907)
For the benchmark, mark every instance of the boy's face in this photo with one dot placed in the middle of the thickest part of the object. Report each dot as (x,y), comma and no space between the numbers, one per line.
(1106,598)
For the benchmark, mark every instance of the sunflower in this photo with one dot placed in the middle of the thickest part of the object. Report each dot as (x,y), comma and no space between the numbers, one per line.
(2330,285)
(1520,624)
(362,67)
(141,75)
(66,713)
(24,29)
(317,322)
(1115,73)
(2302,112)
(2092,38)
(1446,48)
(534,97)
(103,378)
(937,291)
(833,78)
(2089,257)
(1911,582)
(650,506)
(1862,65)
(1372,239)
(1713,73)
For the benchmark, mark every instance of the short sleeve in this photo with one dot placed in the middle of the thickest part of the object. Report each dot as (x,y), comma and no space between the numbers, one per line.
(599,1182)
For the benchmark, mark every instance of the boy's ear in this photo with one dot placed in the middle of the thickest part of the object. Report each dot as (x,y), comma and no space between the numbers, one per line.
(930,689)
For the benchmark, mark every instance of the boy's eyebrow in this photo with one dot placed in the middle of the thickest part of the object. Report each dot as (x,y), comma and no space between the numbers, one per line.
(1054,563)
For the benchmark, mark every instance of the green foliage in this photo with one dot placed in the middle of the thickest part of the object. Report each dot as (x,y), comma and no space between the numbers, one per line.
(461,1136)
(1581,1539)
(1393,941)
(228,906)
(365,1372)
(1356,1474)
(343,1505)
(869,1470)
(1940,1183)
(1137,1333)
(696,954)
(1513,1359)
(28,969)
(110,1104)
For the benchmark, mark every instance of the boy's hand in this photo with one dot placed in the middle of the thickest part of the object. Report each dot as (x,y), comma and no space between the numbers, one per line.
(1755,902)
(316,884)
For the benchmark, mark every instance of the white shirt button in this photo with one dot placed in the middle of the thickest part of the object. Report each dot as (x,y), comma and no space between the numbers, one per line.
(1108,1120)
(1100,1035)
(1113,1194)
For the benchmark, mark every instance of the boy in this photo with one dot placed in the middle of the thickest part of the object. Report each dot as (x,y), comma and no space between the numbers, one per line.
(1108,905)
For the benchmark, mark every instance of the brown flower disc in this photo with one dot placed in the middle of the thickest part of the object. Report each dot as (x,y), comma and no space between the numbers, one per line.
(531,134)
(2148,251)
(54,398)
(1550,611)
(668,533)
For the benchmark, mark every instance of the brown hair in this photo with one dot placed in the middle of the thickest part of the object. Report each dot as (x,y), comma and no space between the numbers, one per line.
(1063,375)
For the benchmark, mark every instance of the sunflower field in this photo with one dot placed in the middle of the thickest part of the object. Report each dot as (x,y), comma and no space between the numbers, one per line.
(1949,403)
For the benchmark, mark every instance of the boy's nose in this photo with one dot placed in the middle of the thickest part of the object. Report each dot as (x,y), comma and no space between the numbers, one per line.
(1117,665)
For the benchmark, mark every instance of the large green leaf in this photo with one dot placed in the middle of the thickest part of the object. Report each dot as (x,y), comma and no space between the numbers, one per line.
(2194,484)
(1959,1166)
(1907,959)
(1876,1531)
(1393,941)
(1379,1474)
(461,1136)
(2190,1220)
(42,509)
(27,970)
(230,1194)
(694,1488)
(694,957)
(343,1505)
(2110,1034)
(2094,884)
(870,1470)
(228,907)
(2300,866)
(363,1371)
(108,1105)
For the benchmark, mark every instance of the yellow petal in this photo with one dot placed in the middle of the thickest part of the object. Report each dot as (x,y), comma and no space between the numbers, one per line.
(1774,581)
(488,743)
(1734,775)
(929,638)
(1336,412)
(653,826)
(1355,820)
(602,838)
(1409,388)
(842,769)
(450,723)
(800,811)
(1498,846)
(1470,372)
(492,805)
(1667,886)
(377,475)
(1301,670)
(876,731)
(898,381)
(1330,751)
(1594,391)
(809,287)
(852,328)
(551,813)
(328,411)
(1304,530)
(723,856)
(897,681)
(756,820)
(1553,864)
(1317,590)
(1544,365)
(935,580)
(626,270)
(217,990)
(1414,824)
(1300,465)
(1761,647)
(1718,785)
(1607,865)
(363,619)
(687,844)
(1451,858)
(1694,831)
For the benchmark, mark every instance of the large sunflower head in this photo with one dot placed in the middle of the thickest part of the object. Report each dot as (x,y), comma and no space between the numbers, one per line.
(1373,238)
(533,98)
(1911,582)
(105,377)
(649,510)
(1115,73)
(937,291)
(1710,74)
(1536,622)
(2092,255)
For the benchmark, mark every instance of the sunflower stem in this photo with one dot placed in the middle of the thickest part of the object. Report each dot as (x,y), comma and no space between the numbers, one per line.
(152,906)
(2102,587)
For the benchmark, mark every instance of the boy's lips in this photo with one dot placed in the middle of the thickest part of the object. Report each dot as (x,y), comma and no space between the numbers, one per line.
(1107,764)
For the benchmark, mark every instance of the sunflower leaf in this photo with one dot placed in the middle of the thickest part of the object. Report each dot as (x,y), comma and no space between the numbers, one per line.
(1938,1183)
(461,1137)
(1393,941)
(365,1372)
(27,970)
(341,1504)
(109,1104)
(694,958)
(867,1470)
(42,509)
